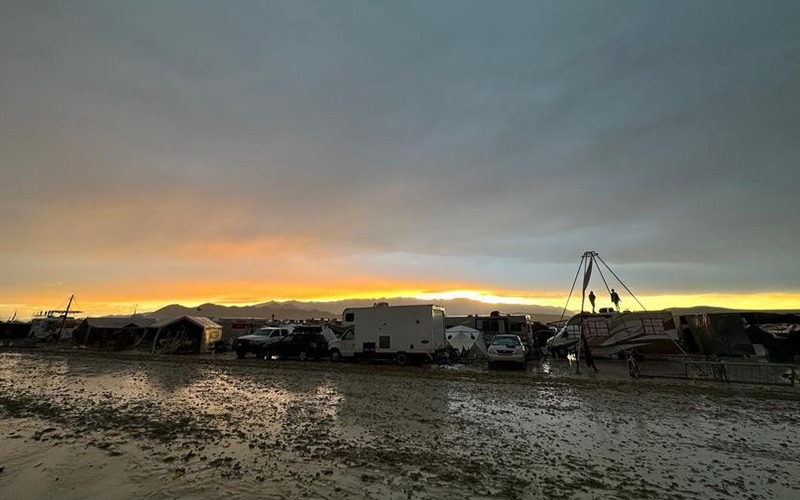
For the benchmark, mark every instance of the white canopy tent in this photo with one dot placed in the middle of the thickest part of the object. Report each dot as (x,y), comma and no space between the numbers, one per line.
(467,341)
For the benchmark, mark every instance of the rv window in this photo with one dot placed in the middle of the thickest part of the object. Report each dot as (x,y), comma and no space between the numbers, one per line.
(385,342)
(349,317)
(491,326)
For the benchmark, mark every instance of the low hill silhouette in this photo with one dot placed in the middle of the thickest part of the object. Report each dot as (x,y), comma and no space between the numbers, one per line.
(295,309)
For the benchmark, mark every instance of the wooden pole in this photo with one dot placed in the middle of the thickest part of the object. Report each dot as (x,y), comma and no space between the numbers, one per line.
(64,322)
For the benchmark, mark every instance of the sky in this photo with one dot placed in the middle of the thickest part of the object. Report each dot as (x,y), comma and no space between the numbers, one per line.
(155,152)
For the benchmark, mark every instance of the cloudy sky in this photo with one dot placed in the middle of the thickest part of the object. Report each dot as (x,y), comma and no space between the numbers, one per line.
(237,152)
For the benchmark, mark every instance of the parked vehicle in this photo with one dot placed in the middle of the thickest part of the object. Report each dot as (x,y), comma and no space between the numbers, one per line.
(300,345)
(507,349)
(256,341)
(532,333)
(403,334)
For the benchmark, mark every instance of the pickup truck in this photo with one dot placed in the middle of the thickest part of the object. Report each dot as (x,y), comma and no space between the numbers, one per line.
(256,342)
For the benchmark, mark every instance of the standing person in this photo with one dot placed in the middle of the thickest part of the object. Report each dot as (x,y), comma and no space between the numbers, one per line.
(615,298)
(588,353)
(592,296)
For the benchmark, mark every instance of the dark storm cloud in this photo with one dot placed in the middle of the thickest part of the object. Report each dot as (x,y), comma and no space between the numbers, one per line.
(663,134)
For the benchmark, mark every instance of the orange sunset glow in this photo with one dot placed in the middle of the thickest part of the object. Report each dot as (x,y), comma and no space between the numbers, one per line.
(122,302)
(206,165)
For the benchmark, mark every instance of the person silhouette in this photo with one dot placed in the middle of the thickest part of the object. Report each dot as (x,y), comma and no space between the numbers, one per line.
(592,296)
(615,298)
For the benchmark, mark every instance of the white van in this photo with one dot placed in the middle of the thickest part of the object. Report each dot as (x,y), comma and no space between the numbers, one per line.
(405,334)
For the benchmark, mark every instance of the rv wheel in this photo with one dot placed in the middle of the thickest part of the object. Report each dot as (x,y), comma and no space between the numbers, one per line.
(336,356)
(402,358)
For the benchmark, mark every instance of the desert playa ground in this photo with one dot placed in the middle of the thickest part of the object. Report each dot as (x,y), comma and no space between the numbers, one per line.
(84,425)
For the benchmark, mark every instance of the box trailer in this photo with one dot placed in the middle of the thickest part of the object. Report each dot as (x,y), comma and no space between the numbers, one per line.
(405,334)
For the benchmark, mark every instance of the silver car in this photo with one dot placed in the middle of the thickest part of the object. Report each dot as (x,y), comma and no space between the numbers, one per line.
(507,349)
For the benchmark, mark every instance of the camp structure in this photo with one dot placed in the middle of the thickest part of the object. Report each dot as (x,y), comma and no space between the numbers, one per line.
(12,331)
(467,342)
(496,323)
(775,336)
(611,334)
(111,333)
(187,334)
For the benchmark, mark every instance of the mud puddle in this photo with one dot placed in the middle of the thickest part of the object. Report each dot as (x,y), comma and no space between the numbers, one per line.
(82,426)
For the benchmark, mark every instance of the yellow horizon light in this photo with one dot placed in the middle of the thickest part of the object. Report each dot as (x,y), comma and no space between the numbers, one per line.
(96,306)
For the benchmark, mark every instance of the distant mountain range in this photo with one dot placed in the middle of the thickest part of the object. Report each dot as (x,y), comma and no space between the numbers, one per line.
(303,310)
(256,311)
(296,310)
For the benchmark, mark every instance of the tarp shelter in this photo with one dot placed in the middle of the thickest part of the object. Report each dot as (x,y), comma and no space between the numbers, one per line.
(734,334)
(188,334)
(111,332)
(718,334)
(467,341)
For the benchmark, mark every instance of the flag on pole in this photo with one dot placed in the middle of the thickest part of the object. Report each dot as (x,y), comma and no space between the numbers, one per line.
(587,275)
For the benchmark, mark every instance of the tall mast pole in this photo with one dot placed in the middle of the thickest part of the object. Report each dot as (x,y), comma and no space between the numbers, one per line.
(583,293)
(64,321)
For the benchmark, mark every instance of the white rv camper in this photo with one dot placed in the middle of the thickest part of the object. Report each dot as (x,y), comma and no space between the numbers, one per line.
(404,334)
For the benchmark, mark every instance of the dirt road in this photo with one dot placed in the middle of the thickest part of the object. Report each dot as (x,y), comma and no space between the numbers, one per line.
(79,425)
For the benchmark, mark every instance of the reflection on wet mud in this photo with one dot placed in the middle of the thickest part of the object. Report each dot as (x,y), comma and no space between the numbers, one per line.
(178,427)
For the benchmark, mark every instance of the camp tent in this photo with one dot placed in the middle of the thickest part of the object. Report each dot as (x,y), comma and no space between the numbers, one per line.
(185,334)
(111,332)
(467,341)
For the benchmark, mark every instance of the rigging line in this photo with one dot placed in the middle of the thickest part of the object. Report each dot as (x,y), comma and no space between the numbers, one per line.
(621,316)
(600,270)
(571,289)
(621,282)
(63,305)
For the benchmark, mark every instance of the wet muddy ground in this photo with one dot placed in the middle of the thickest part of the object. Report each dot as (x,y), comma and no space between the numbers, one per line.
(78,425)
